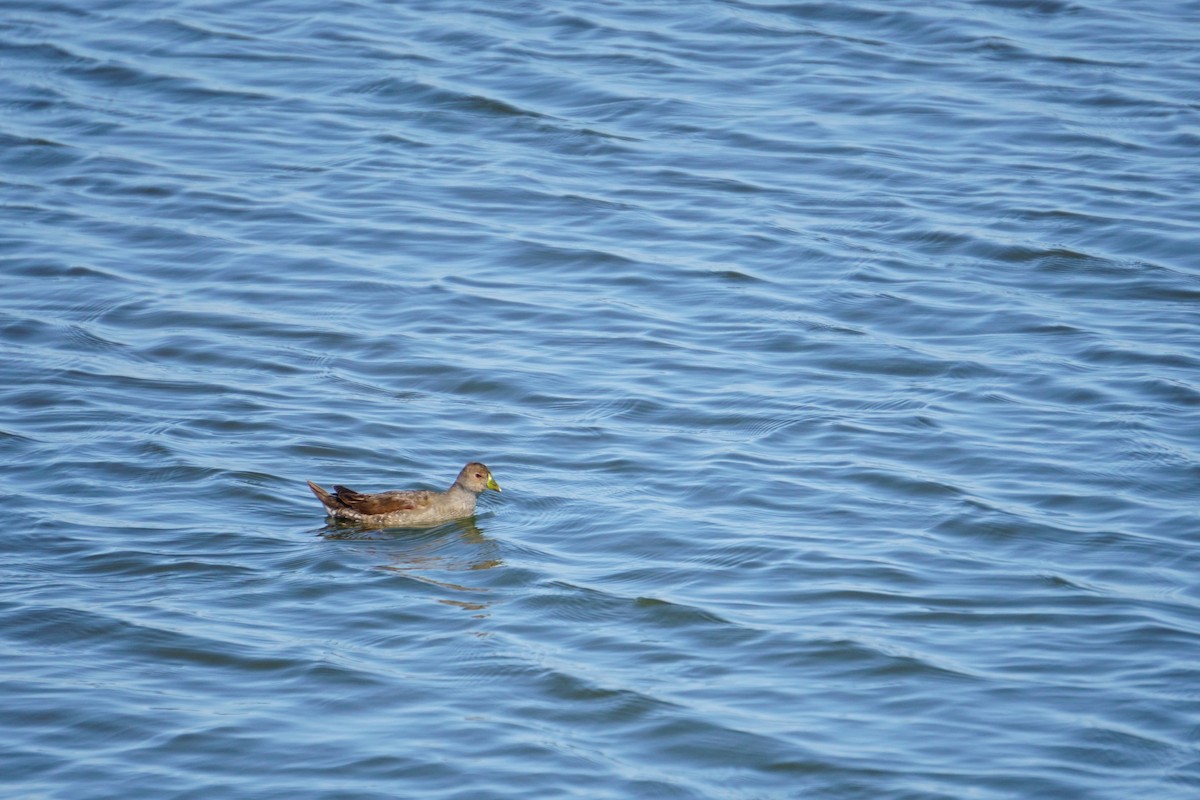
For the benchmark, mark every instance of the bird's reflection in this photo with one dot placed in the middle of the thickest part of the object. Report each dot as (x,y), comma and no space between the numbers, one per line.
(455,547)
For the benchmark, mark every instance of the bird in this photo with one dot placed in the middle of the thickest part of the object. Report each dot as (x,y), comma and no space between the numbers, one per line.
(410,508)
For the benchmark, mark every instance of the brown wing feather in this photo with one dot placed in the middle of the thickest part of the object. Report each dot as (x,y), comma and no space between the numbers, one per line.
(382,503)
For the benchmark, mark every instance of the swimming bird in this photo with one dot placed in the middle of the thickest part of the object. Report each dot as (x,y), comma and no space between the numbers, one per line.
(410,508)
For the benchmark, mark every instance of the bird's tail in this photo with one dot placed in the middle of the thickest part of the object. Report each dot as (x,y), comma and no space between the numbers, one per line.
(329,501)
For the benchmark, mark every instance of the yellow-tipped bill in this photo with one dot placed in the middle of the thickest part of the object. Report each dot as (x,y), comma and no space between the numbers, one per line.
(491,484)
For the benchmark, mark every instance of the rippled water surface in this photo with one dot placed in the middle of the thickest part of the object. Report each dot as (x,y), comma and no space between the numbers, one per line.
(839,361)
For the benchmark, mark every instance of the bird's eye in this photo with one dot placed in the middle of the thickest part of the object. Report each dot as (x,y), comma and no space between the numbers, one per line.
(478,475)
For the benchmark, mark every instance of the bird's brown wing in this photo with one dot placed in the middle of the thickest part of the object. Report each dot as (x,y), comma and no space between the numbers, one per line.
(383,502)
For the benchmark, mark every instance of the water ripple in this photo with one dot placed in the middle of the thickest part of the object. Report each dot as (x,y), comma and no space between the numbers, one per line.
(836,359)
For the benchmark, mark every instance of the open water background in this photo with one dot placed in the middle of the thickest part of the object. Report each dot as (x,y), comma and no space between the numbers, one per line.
(840,362)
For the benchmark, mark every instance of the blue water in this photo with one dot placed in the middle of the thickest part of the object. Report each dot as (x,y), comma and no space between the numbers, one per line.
(840,362)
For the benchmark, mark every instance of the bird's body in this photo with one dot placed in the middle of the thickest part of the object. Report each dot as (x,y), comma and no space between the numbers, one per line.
(410,508)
